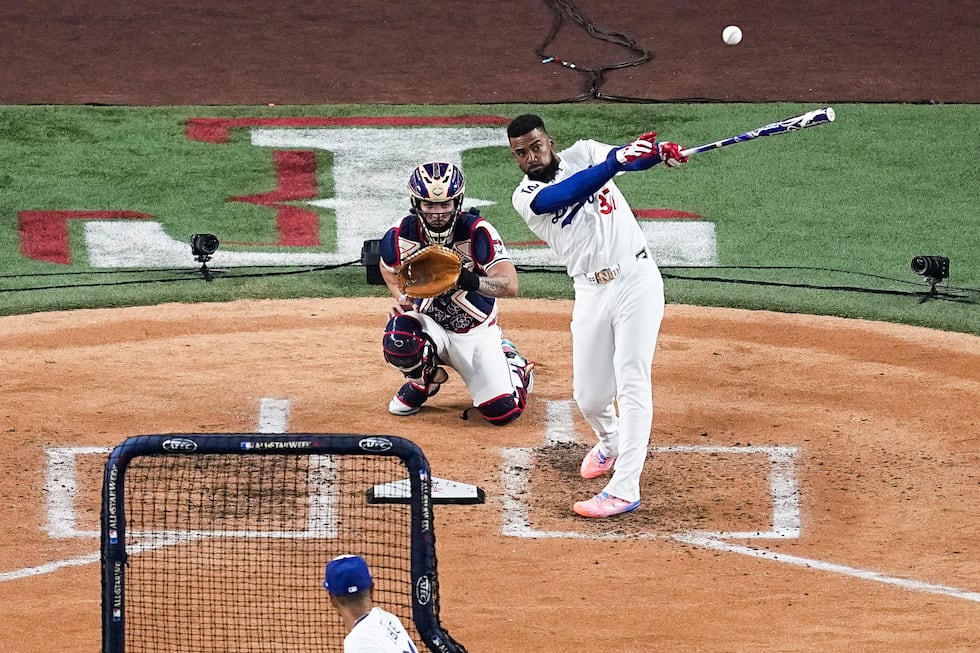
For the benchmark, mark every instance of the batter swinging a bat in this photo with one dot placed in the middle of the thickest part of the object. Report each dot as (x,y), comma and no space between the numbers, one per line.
(569,200)
(456,328)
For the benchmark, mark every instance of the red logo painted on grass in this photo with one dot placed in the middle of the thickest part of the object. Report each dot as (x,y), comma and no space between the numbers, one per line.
(295,180)
(665,214)
(296,169)
(44,234)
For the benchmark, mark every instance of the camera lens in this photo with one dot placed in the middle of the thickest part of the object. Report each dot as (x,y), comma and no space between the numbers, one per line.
(936,267)
(205,244)
(920,265)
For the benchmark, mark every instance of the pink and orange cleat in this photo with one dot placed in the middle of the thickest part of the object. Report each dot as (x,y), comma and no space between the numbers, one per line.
(595,464)
(604,505)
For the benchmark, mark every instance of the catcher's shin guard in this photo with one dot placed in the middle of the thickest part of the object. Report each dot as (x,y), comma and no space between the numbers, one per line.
(505,408)
(408,348)
(410,397)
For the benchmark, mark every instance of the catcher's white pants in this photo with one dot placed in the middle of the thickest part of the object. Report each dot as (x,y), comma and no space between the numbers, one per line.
(475,355)
(614,335)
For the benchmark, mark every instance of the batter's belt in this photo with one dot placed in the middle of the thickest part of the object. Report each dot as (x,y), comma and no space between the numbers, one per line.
(605,275)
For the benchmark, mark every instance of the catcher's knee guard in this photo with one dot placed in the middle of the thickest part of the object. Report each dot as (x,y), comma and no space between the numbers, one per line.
(505,408)
(407,347)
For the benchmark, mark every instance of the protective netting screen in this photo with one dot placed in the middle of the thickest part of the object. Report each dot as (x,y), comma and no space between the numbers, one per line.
(226,552)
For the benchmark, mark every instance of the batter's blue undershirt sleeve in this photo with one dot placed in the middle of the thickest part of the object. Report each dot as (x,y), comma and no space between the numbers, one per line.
(642,164)
(582,184)
(577,187)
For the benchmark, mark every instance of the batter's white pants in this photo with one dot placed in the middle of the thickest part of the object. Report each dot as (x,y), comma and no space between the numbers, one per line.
(614,335)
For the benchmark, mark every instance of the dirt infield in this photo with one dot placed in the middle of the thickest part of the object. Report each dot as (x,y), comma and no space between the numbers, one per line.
(834,461)
(813,484)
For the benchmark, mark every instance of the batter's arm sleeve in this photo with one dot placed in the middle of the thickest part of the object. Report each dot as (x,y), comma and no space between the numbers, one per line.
(577,187)
(642,164)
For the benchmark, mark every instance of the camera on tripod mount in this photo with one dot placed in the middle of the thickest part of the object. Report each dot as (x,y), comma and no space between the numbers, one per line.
(203,247)
(934,268)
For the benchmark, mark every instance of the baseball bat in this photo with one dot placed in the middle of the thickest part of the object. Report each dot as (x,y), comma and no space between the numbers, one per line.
(796,123)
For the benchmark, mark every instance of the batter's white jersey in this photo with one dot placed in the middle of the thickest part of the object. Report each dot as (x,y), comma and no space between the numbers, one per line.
(378,631)
(595,234)
(619,305)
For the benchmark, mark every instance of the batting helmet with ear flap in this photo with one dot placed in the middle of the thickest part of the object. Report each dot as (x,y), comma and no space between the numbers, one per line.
(438,182)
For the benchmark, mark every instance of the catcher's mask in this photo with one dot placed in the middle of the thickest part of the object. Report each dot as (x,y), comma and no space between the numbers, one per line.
(436,190)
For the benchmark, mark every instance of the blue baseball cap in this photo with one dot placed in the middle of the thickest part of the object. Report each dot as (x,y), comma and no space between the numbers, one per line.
(346,575)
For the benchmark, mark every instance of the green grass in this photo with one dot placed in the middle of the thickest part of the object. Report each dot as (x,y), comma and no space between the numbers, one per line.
(864,195)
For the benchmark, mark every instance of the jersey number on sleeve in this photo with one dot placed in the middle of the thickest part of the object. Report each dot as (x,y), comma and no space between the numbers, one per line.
(607,203)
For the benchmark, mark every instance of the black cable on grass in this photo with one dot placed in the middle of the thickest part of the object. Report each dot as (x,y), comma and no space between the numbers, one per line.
(188,274)
(766,267)
(812,269)
(77,273)
(923,295)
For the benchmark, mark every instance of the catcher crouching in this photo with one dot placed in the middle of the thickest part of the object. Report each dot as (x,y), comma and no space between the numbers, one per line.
(446,268)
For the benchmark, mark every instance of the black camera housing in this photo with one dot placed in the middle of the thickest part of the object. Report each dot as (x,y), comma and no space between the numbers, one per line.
(204,245)
(933,267)
(371,260)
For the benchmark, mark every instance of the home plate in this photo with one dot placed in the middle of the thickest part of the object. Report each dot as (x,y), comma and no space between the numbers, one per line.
(443,491)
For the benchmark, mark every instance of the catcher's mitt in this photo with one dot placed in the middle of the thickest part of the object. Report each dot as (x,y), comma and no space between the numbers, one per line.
(429,272)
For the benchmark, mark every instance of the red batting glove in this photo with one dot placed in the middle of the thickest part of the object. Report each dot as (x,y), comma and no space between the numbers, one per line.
(648,136)
(643,147)
(670,154)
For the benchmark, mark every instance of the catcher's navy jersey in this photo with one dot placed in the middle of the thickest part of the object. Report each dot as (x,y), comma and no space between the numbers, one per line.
(479,245)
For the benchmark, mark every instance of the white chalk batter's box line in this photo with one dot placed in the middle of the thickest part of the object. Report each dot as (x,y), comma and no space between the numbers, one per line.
(61,488)
(61,485)
(784,491)
(785,520)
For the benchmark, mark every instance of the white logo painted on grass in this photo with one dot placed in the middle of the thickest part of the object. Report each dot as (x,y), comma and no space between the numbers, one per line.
(371,167)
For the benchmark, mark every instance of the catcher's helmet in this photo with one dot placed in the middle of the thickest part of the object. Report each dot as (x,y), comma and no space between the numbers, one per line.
(437,182)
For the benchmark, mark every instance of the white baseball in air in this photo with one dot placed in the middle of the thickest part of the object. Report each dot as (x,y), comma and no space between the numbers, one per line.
(731,35)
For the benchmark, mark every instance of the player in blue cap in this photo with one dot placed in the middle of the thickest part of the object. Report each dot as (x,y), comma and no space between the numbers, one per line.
(370,629)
